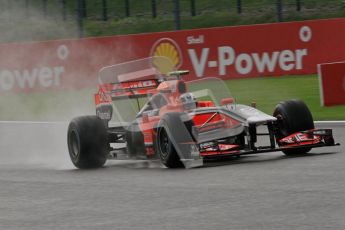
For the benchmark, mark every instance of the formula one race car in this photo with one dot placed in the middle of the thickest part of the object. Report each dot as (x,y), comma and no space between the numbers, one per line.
(144,109)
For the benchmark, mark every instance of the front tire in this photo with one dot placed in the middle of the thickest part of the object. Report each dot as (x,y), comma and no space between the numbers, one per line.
(172,136)
(87,142)
(293,116)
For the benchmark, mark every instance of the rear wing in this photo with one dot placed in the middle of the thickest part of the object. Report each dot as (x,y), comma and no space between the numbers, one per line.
(126,90)
(131,85)
(133,79)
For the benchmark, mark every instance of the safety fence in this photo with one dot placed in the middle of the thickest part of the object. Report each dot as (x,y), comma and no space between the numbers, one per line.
(179,11)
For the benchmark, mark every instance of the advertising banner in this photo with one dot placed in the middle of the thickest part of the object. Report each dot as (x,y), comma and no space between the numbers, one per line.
(332,83)
(276,49)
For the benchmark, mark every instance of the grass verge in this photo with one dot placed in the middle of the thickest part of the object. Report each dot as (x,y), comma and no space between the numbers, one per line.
(266,92)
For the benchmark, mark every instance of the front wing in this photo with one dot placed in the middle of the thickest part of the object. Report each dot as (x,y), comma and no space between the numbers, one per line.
(305,139)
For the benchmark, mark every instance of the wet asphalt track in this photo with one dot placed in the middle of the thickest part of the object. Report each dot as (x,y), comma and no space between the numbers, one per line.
(40,189)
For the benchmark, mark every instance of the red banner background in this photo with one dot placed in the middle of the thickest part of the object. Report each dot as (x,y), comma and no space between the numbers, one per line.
(228,52)
(332,83)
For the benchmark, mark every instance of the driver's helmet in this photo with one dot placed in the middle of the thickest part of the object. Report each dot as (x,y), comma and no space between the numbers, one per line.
(188,101)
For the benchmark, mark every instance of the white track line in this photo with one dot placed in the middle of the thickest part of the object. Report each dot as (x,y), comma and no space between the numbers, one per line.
(33,122)
(329,122)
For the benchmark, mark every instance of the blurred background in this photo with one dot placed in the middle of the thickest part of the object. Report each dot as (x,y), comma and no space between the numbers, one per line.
(33,20)
(42,20)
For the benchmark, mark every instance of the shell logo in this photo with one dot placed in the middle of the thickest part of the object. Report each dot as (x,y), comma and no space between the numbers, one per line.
(166,47)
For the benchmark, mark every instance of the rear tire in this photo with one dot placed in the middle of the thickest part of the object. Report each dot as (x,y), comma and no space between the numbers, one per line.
(293,116)
(87,142)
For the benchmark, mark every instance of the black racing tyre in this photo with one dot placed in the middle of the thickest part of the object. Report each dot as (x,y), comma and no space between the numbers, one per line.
(293,116)
(135,141)
(171,133)
(87,141)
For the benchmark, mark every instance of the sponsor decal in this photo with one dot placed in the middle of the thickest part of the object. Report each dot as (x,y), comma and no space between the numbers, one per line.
(195,40)
(167,47)
(231,107)
(305,34)
(106,115)
(62,52)
(207,145)
(296,138)
(246,63)
(43,77)
(135,85)
(104,111)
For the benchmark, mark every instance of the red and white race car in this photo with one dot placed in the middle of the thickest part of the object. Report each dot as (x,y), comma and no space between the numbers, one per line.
(144,109)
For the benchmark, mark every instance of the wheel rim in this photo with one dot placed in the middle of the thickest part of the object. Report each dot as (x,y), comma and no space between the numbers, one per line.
(164,143)
(74,144)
